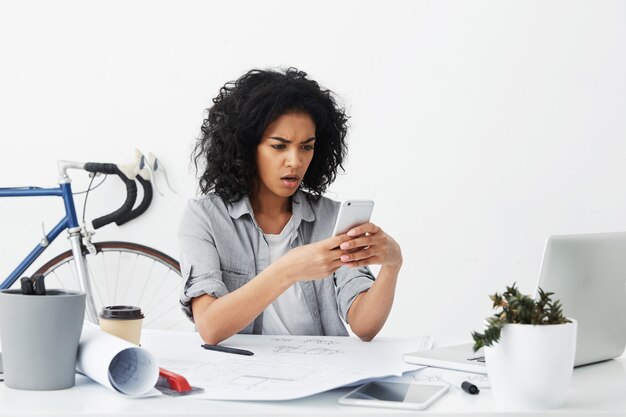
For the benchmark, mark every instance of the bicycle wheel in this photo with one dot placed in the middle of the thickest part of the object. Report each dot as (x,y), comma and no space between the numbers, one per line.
(124,273)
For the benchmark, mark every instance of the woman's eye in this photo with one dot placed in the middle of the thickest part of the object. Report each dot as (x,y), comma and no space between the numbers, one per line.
(278,146)
(308,147)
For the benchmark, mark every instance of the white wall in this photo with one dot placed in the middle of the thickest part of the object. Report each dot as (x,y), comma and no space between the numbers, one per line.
(479,127)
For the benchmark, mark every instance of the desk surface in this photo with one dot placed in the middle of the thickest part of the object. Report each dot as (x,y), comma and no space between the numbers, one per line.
(595,389)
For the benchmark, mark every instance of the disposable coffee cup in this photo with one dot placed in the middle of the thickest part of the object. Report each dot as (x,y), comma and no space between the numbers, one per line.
(40,336)
(123,322)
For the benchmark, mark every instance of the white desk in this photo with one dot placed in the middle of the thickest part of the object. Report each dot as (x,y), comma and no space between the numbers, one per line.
(595,389)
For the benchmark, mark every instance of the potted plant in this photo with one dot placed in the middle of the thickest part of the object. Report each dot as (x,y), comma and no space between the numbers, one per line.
(529,349)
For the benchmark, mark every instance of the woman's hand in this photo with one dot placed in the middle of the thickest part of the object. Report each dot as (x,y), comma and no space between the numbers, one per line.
(370,245)
(313,261)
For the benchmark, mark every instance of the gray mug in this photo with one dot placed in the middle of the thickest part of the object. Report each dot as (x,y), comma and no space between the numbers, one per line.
(40,335)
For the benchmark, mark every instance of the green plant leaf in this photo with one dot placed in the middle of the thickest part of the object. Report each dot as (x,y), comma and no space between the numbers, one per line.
(513,307)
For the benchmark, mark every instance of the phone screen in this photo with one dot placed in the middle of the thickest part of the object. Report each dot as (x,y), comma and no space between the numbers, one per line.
(395,392)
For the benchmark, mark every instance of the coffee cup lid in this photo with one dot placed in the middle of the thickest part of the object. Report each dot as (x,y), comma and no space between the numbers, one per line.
(121,313)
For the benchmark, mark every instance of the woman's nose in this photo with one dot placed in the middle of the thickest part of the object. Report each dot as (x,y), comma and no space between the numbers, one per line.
(293,160)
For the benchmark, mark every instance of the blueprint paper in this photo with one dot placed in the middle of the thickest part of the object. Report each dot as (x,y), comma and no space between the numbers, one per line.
(440,375)
(115,363)
(282,367)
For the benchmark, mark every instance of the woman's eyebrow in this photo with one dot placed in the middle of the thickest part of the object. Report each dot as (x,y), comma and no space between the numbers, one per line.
(283,140)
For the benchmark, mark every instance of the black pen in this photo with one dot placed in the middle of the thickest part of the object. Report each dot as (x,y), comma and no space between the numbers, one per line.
(462,383)
(227,350)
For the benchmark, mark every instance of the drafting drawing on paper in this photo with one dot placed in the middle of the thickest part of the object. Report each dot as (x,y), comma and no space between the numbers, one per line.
(124,366)
(306,351)
(252,381)
(309,346)
(309,341)
(283,367)
(260,375)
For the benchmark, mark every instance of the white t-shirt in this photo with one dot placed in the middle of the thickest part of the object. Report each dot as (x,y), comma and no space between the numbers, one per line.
(288,314)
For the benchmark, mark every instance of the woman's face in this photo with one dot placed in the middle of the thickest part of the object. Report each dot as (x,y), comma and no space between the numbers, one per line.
(284,153)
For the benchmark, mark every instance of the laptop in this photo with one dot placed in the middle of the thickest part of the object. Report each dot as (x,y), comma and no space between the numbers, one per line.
(588,274)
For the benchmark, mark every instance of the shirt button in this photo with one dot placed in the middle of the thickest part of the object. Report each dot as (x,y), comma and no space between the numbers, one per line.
(315,312)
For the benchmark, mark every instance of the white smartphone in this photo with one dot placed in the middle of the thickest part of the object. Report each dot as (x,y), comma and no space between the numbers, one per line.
(395,395)
(352,213)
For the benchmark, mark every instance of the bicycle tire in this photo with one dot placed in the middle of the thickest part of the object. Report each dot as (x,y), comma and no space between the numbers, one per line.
(145,284)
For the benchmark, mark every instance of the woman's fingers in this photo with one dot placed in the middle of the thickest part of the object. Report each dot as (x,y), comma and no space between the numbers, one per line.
(359,255)
(366,244)
(335,241)
(379,239)
(336,265)
(369,246)
(375,260)
(363,229)
(360,242)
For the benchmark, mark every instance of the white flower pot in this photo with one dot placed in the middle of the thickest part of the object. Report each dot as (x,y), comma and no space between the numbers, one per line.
(531,366)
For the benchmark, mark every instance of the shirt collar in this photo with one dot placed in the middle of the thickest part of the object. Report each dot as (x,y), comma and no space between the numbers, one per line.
(300,207)
(240,207)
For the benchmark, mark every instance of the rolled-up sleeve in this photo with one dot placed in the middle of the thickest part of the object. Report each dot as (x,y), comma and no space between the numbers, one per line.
(351,282)
(199,260)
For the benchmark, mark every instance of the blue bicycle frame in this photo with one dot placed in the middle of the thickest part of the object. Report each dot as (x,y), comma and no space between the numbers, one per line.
(68,222)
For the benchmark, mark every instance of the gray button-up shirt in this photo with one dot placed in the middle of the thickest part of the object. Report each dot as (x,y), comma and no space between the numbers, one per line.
(223,248)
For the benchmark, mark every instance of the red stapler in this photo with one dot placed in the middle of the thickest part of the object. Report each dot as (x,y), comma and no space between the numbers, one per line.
(171,383)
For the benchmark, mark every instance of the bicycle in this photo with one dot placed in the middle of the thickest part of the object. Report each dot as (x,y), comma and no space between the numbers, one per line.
(89,266)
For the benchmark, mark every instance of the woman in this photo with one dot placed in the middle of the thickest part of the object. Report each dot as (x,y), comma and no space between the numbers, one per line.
(256,254)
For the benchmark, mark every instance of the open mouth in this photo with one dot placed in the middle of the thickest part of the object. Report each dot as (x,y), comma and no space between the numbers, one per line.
(290,181)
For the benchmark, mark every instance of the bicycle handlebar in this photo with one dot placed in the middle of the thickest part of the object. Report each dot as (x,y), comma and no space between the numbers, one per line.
(131,195)
(143,206)
(128,174)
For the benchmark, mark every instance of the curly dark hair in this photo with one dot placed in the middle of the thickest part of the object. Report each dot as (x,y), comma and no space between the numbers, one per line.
(238,118)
